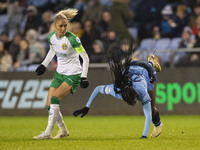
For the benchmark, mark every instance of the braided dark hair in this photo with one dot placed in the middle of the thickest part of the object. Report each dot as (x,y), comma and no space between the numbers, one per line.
(120,69)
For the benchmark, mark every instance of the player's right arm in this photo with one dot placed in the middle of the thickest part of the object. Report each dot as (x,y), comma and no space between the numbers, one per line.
(84,110)
(103,89)
(42,68)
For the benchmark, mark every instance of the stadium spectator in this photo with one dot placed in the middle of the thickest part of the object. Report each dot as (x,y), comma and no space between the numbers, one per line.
(196,26)
(43,30)
(94,11)
(195,56)
(147,16)
(103,25)
(5,59)
(120,14)
(181,19)
(69,73)
(165,29)
(98,55)
(195,14)
(58,5)
(106,3)
(197,37)
(111,37)
(23,3)
(81,6)
(187,41)
(76,29)
(41,5)
(24,58)
(133,81)
(5,39)
(3,6)
(15,12)
(124,48)
(14,46)
(36,49)
(31,20)
(90,34)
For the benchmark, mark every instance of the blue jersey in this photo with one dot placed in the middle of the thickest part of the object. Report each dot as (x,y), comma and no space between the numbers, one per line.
(141,84)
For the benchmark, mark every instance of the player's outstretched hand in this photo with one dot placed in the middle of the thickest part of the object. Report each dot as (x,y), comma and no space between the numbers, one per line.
(40,70)
(143,137)
(82,111)
(84,82)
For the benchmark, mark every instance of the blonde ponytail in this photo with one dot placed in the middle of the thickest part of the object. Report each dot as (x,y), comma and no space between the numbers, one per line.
(66,14)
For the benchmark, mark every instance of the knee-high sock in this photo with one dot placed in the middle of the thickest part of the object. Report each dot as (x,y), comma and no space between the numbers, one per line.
(156,119)
(53,115)
(60,122)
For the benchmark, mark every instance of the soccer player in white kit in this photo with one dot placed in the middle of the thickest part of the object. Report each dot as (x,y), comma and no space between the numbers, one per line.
(69,73)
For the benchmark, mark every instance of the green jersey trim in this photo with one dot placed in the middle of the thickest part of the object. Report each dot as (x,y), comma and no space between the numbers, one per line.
(73,39)
(49,36)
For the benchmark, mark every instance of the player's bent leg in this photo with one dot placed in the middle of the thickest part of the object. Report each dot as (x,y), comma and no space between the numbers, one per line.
(158,125)
(156,65)
(62,91)
(63,129)
(53,113)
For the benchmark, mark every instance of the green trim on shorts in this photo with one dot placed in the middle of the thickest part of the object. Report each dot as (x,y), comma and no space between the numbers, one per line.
(71,80)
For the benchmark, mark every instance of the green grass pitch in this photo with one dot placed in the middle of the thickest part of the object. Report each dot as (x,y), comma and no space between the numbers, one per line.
(101,133)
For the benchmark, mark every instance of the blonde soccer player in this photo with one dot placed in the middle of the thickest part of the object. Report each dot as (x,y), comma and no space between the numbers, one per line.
(69,73)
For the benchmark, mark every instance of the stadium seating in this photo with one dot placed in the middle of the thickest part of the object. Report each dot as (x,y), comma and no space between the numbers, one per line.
(3,21)
(162,44)
(32,67)
(162,48)
(147,44)
(175,43)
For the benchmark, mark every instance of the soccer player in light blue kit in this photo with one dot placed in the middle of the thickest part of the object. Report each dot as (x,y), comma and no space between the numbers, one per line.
(133,81)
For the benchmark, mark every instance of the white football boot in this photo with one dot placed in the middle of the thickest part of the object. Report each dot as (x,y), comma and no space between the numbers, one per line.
(42,136)
(157,130)
(61,134)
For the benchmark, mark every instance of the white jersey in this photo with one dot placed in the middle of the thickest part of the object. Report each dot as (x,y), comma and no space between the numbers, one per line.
(67,50)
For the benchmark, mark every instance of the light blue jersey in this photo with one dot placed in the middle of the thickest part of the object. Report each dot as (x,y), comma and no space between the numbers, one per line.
(141,84)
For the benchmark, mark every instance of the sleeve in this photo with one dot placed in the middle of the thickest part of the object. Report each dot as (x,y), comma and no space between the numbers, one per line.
(49,57)
(85,65)
(109,90)
(97,90)
(148,118)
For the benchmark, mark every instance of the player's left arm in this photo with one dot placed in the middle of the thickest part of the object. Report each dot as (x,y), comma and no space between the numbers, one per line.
(81,51)
(148,118)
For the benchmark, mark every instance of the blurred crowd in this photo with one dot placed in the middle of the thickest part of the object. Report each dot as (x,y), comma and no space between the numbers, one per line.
(25,25)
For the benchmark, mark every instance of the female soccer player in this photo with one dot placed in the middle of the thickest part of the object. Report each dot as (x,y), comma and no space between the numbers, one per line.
(69,74)
(133,81)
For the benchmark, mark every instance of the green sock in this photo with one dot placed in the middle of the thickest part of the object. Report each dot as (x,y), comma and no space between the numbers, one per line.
(55,100)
